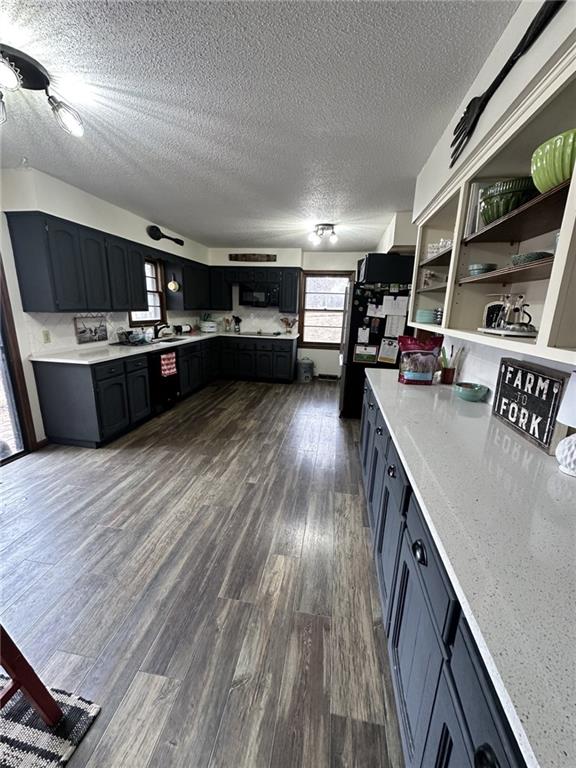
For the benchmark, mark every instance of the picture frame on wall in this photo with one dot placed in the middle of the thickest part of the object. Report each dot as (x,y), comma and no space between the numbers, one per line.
(90,329)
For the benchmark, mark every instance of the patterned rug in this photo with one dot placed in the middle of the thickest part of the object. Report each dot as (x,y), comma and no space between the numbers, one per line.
(27,742)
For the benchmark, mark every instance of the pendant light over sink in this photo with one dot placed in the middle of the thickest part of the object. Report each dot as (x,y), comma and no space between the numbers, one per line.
(18,70)
(320,230)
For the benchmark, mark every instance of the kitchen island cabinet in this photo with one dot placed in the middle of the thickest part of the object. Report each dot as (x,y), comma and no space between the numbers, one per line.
(453,555)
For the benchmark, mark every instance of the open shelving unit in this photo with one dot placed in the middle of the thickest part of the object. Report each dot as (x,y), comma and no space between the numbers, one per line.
(545,223)
(534,270)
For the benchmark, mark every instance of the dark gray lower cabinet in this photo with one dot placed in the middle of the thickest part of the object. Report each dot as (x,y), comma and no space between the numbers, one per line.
(446,745)
(189,369)
(449,713)
(265,363)
(138,386)
(112,405)
(263,360)
(416,657)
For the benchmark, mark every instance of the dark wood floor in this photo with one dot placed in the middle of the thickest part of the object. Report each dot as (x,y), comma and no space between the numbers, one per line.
(207,579)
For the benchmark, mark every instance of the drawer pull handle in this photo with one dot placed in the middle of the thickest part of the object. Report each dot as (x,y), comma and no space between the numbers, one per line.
(420,554)
(378,430)
(484,757)
(391,471)
(371,405)
(365,388)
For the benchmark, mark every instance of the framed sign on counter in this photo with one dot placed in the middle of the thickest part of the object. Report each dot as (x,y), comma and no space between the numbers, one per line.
(527,398)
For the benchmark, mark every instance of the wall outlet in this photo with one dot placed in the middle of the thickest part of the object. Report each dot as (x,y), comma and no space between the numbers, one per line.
(46,338)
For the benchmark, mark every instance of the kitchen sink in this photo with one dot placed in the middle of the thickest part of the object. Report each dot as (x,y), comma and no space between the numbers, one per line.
(169,340)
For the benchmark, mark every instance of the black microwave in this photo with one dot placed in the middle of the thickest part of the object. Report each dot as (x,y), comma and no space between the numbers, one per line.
(259,294)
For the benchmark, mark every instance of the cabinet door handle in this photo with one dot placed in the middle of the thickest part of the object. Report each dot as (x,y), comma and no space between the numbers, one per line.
(378,430)
(365,388)
(422,559)
(391,471)
(484,757)
(371,405)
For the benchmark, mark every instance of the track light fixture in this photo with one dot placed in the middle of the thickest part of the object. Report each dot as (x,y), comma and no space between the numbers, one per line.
(18,70)
(320,230)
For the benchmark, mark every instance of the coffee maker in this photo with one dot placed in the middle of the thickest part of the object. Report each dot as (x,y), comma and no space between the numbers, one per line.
(508,317)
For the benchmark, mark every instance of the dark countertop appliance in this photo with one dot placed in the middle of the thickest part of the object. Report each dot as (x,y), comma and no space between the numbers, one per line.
(259,294)
(390,274)
(164,389)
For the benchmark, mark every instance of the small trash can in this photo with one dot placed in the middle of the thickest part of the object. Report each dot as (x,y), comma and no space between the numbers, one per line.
(305,370)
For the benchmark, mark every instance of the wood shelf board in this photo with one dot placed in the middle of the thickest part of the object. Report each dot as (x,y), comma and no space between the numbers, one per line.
(433,288)
(441,259)
(505,344)
(535,270)
(540,215)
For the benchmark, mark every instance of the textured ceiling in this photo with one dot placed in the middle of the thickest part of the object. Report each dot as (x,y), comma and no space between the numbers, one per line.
(240,123)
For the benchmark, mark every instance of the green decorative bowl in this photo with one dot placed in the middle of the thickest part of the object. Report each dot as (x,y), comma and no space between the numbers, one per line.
(504,196)
(471,392)
(553,162)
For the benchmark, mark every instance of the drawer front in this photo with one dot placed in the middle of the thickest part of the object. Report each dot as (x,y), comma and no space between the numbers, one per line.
(282,345)
(107,370)
(246,345)
(265,346)
(136,364)
(441,597)
(485,723)
(396,479)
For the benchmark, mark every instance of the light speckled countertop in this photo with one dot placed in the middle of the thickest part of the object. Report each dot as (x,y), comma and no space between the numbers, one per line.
(503,518)
(88,354)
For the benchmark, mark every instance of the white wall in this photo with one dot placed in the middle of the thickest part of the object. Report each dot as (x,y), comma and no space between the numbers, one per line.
(550,46)
(480,363)
(399,234)
(31,190)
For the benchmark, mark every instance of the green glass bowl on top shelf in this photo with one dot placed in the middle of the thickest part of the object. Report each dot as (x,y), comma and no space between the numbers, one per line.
(553,162)
(504,196)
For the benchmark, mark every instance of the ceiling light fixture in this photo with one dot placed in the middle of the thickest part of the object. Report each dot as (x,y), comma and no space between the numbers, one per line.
(320,230)
(10,79)
(18,70)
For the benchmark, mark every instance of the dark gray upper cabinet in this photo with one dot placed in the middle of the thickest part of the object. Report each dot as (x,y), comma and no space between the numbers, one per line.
(196,286)
(220,289)
(117,254)
(137,277)
(68,278)
(289,291)
(95,269)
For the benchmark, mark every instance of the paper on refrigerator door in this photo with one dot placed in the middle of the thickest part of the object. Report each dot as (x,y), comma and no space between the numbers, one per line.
(363,335)
(388,351)
(395,325)
(375,310)
(395,305)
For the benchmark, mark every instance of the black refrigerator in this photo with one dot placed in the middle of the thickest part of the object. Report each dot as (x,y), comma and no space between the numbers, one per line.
(394,273)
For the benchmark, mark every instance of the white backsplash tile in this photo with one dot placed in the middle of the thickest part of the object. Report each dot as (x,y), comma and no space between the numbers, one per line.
(480,363)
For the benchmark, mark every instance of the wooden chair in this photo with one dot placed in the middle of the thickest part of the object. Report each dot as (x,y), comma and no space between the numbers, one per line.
(25,679)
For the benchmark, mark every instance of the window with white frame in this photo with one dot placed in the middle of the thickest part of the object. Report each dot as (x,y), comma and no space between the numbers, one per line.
(322,309)
(155,312)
